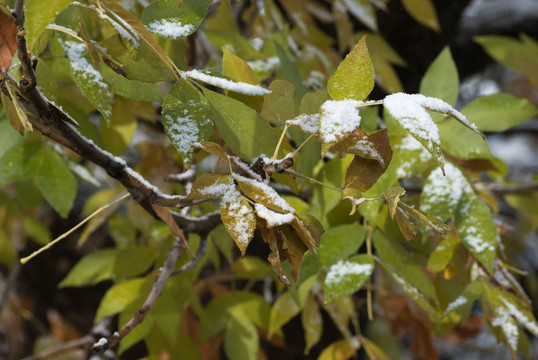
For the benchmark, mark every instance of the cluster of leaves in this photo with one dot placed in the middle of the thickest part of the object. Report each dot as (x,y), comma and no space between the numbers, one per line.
(312,135)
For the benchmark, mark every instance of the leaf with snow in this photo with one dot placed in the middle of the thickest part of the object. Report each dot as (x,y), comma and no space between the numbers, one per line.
(262,193)
(475,226)
(358,143)
(273,218)
(354,77)
(337,119)
(442,193)
(186,116)
(211,186)
(87,77)
(308,123)
(238,218)
(408,111)
(168,19)
(128,34)
(347,276)
(218,80)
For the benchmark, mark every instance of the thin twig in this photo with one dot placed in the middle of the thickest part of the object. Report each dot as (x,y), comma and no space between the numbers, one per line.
(199,255)
(81,343)
(164,273)
(67,233)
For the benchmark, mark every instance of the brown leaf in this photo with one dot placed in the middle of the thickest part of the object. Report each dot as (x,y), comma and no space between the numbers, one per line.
(422,345)
(309,230)
(8,42)
(210,186)
(469,330)
(273,239)
(212,148)
(166,216)
(364,172)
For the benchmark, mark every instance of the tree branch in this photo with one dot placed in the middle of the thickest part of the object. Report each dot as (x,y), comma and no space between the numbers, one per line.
(199,255)
(164,273)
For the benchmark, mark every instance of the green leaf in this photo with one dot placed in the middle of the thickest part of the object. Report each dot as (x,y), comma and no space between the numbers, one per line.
(38,15)
(121,295)
(354,78)
(240,45)
(251,267)
(217,312)
(91,269)
(244,131)
(504,49)
(36,230)
(118,135)
(442,192)
(339,242)
(441,80)
(279,106)
(241,339)
(499,112)
(458,141)
(443,253)
(56,182)
(134,260)
(406,264)
(20,161)
(175,19)
(424,12)
(87,77)
(475,226)
(186,116)
(147,67)
(338,350)
(8,252)
(284,309)
(312,323)
(347,276)
(8,135)
(289,71)
(130,89)
(237,69)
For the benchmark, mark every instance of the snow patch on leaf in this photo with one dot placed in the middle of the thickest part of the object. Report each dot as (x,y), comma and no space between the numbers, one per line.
(239,87)
(269,194)
(341,269)
(444,189)
(171,28)
(338,119)
(307,123)
(504,320)
(409,143)
(273,218)
(408,110)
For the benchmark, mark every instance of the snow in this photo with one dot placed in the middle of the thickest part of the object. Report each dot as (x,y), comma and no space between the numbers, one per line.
(367,147)
(471,236)
(409,143)
(409,112)
(241,165)
(503,320)
(338,119)
(460,300)
(240,87)
(307,123)
(337,272)
(273,218)
(270,195)
(527,321)
(266,65)
(357,202)
(74,51)
(170,28)
(242,215)
(102,342)
(447,189)
(183,129)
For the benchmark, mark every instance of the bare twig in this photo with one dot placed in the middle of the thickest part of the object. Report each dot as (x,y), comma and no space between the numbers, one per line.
(199,225)
(164,273)
(82,343)
(199,255)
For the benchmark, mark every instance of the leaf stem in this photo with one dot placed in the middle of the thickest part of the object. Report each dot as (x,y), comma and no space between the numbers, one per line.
(379,102)
(275,154)
(64,30)
(369,284)
(291,172)
(64,235)
(303,144)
